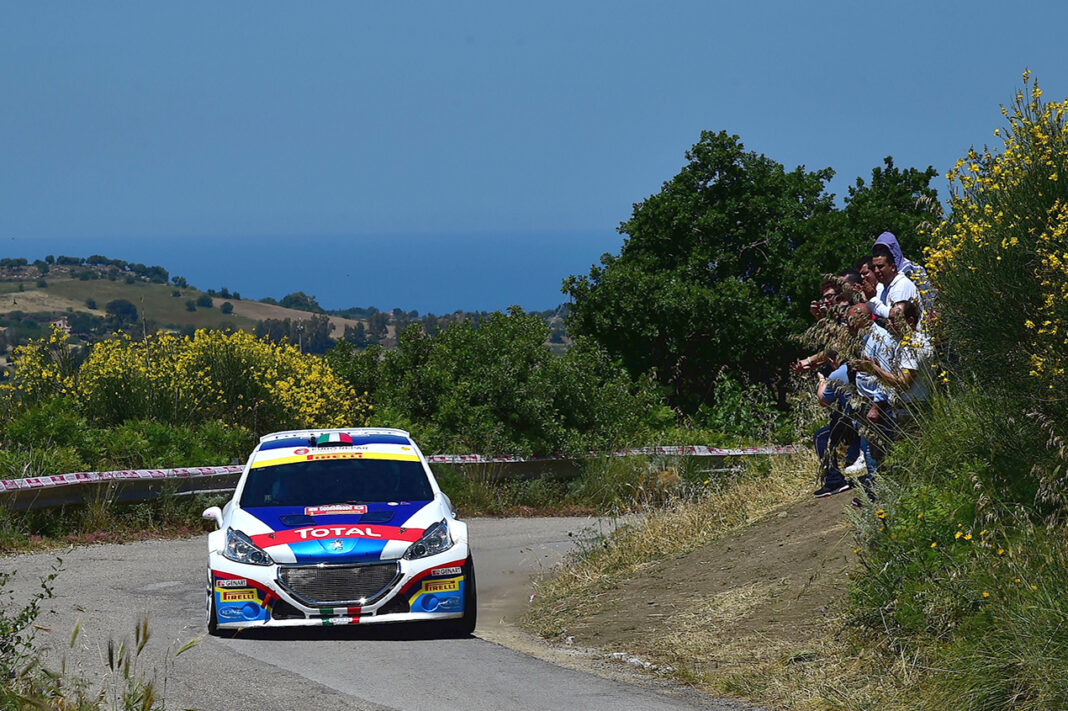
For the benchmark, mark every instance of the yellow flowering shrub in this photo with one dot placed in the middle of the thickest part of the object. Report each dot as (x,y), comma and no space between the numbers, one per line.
(43,368)
(232,377)
(1000,259)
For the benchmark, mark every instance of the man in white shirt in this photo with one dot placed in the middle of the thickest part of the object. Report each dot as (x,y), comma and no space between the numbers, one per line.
(895,286)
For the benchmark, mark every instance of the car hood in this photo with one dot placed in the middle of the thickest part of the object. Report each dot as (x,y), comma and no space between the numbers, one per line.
(337,533)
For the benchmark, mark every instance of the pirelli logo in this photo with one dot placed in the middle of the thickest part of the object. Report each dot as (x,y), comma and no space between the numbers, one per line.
(246,595)
(440,586)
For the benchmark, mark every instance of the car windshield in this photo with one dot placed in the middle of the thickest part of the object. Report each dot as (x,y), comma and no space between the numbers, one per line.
(336,481)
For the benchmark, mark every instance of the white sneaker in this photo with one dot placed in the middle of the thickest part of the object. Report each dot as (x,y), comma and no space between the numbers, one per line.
(856,467)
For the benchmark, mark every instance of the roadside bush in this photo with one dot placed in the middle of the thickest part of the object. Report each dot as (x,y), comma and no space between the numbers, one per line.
(1000,260)
(55,422)
(54,439)
(17,651)
(20,462)
(739,409)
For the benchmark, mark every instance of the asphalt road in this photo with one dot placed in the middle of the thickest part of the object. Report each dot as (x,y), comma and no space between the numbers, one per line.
(106,589)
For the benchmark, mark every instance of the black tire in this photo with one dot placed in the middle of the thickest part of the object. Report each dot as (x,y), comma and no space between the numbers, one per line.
(213,618)
(465,626)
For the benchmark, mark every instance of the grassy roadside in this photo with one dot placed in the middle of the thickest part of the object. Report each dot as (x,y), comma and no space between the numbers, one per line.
(102,521)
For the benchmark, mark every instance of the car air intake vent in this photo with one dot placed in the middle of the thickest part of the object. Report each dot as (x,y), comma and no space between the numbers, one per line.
(282,610)
(329,585)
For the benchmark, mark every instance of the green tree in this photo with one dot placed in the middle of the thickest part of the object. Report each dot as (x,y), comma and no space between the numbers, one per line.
(705,277)
(356,335)
(895,201)
(122,311)
(301,301)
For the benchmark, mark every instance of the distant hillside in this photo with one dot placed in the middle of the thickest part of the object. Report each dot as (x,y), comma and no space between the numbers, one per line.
(80,290)
(161,304)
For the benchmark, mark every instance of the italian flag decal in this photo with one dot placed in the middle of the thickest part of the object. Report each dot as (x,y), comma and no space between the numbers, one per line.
(334,438)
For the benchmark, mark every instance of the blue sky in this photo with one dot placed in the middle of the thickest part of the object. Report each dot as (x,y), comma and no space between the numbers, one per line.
(458,155)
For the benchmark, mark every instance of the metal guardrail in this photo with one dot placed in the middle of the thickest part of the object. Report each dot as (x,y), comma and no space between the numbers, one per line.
(139,484)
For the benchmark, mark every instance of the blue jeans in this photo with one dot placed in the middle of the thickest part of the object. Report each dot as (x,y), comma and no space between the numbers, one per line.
(827,439)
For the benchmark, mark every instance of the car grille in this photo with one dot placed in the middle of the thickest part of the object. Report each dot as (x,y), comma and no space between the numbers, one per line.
(339,584)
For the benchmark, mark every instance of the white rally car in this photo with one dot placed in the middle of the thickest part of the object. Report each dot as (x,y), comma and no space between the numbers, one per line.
(338,527)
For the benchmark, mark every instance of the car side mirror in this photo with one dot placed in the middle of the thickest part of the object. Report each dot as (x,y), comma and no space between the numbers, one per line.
(213,513)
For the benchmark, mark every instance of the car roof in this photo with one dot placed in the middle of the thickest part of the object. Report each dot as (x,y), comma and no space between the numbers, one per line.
(348,430)
(353,436)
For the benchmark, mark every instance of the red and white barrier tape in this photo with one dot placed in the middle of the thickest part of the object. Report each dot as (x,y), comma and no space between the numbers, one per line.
(684,450)
(47,482)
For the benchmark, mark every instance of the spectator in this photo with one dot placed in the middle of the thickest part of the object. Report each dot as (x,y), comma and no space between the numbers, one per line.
(895,285)
(869,284)
(912,353)
(833,392)
(829,291)
(915,272)
(876,346)
(832,300)
(856,290)
(853,285)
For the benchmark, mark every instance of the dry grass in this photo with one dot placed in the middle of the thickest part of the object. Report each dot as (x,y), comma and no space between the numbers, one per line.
(682,525)
(762,634)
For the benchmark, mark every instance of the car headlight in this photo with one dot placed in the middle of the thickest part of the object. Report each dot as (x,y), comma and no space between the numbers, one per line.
(435,540)
(240,549)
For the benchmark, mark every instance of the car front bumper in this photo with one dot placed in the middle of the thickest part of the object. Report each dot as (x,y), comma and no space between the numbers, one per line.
(253,596)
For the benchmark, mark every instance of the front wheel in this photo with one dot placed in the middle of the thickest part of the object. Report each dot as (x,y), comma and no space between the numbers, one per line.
(213,618)
(465,626)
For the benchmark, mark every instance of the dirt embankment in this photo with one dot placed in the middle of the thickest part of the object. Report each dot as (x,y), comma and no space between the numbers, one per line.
(753,614)
(765,591)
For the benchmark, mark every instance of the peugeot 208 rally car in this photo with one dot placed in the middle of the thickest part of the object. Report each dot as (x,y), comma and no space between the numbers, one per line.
(338,527)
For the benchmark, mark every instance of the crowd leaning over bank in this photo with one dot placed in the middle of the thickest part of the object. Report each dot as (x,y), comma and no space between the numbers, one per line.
(873,366)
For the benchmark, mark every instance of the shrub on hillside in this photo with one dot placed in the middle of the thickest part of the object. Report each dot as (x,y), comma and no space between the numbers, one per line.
(44,368)
(215,375)
(232,377)
(496,387)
